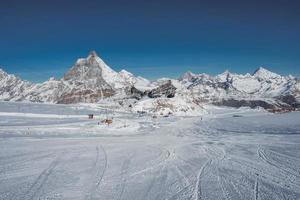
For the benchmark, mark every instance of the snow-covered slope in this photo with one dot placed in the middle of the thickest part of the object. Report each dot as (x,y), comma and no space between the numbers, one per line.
(12,88)
(179,105)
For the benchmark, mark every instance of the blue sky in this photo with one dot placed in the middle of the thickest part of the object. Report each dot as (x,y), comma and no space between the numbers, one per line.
(157,38)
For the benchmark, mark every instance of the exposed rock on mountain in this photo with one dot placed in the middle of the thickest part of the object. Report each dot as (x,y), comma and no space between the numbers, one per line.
(289,100)
(133,92)
(245,103)
(166,89)
(85,81)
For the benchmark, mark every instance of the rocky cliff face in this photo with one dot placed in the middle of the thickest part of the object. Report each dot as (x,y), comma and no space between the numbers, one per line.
(167,90)
(85,82)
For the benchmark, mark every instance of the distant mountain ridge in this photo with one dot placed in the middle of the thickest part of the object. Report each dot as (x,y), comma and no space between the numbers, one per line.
(263,88)
(262,83)
(91,80)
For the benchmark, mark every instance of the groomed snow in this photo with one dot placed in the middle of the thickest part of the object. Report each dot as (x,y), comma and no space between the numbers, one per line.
(225,154)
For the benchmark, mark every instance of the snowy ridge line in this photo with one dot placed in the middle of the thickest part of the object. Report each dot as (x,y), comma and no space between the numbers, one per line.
(91,80)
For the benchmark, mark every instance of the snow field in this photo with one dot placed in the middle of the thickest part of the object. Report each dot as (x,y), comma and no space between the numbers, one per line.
(252,156)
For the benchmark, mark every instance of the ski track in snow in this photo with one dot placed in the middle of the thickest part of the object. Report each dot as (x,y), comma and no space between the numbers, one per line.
(100,171)
(105,165)
(41,180)
(256,188)
(198,191)
(185,158)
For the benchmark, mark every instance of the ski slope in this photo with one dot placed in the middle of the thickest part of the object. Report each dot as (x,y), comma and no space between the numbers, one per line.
(55,152)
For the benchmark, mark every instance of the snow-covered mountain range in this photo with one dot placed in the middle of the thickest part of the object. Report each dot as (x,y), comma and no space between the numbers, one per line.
(91,80)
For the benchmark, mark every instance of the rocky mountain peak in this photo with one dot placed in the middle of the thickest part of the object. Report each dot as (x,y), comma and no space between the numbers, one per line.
(92,67)
(93,54)
(224,77)
(263,73)
(95,60)
(187,76)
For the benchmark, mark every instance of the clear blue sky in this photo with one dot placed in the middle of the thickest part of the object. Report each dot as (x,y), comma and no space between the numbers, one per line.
(156,38)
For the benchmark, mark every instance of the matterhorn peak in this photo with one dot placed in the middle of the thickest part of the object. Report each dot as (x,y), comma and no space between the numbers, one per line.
(93,54)
(89,68)
(94,58)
